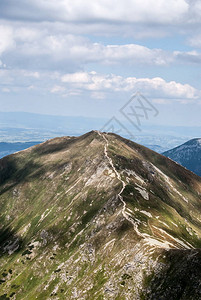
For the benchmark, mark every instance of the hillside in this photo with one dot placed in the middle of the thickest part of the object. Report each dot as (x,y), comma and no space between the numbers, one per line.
(98,217)
(187,155)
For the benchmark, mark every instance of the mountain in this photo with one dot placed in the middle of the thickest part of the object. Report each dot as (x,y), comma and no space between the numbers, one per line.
(187,155)
(155,148)
(98,217)
(9,148)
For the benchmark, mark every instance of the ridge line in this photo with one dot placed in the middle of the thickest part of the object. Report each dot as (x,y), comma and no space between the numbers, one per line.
(145,237)
(123,184)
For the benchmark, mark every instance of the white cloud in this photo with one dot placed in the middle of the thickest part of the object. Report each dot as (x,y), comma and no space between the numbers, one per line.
(46,45)
(136,18)
(194,12)
(6,39)
(154,87)
(195,41)
(36,48)
(31,74)
(133,53)
(160,11)
(57,89)
(96,85)
(129,10)
(42,49)
(193,57)
(79,77)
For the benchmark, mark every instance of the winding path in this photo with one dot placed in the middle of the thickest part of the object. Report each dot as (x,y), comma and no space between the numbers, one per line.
(124,213)
(147,239)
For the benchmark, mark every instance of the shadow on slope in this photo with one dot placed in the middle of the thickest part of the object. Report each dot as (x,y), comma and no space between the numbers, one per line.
(176,277)
(9,242)
(14,170)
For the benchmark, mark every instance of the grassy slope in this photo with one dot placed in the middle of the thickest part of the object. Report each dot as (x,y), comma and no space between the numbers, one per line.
(60,213)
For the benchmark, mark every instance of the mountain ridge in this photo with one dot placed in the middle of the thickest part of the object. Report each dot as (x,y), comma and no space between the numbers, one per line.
(187,155)
(98,217)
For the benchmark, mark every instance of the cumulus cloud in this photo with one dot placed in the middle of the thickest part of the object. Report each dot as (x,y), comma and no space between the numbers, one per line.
(96,85)
(129,17)
(136,18)
(6,40)
(160,11)
(46,45)
(42,49)
(194,11)
(156,87)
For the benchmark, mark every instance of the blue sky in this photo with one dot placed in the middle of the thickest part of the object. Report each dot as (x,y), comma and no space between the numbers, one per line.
(87,58)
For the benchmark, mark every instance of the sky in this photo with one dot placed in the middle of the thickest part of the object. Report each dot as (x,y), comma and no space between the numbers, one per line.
(89,57)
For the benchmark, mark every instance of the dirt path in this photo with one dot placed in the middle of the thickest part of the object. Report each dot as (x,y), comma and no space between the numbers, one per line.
(124,213)
(147,239)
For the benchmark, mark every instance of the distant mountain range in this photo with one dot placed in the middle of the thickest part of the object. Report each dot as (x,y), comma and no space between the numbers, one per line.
(98,217)
(187,155)
(26,127)
(155,148)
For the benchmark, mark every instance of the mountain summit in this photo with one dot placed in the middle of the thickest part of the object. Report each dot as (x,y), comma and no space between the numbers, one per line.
(187,155)
(98,217)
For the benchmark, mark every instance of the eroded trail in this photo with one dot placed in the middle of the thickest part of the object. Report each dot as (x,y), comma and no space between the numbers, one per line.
(124,213)
(147,239)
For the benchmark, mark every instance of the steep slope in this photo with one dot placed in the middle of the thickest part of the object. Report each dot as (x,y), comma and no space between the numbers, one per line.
(187,155)
(98,217)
